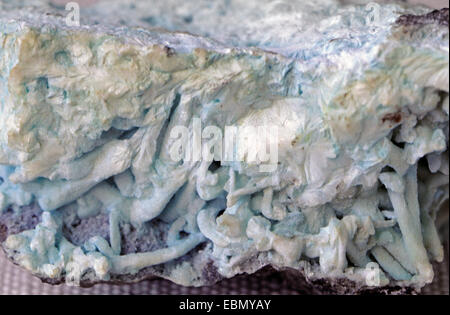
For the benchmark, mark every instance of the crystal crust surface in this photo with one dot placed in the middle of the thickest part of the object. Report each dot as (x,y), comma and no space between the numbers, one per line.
(358,93)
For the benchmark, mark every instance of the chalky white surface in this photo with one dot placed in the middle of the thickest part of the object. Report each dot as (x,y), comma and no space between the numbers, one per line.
(14,281)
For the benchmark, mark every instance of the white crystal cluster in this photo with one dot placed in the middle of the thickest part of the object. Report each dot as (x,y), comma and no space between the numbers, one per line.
(361,103)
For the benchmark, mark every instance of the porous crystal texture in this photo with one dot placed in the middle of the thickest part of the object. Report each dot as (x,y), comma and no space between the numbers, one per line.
(353,95)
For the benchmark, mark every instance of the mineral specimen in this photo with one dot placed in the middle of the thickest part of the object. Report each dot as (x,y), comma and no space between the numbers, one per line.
(353,98)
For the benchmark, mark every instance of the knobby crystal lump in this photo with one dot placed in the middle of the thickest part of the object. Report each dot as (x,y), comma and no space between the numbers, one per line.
(213,139)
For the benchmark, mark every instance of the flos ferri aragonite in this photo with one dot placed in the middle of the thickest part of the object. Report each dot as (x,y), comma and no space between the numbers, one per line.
(353,98)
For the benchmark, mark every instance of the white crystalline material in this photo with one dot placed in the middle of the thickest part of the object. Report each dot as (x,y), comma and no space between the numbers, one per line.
(357,102)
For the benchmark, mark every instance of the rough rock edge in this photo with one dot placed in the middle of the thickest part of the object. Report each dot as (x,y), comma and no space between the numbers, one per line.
(293,278)
(439,17)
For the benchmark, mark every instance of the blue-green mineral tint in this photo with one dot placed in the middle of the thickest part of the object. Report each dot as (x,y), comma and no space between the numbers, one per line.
(361,105)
